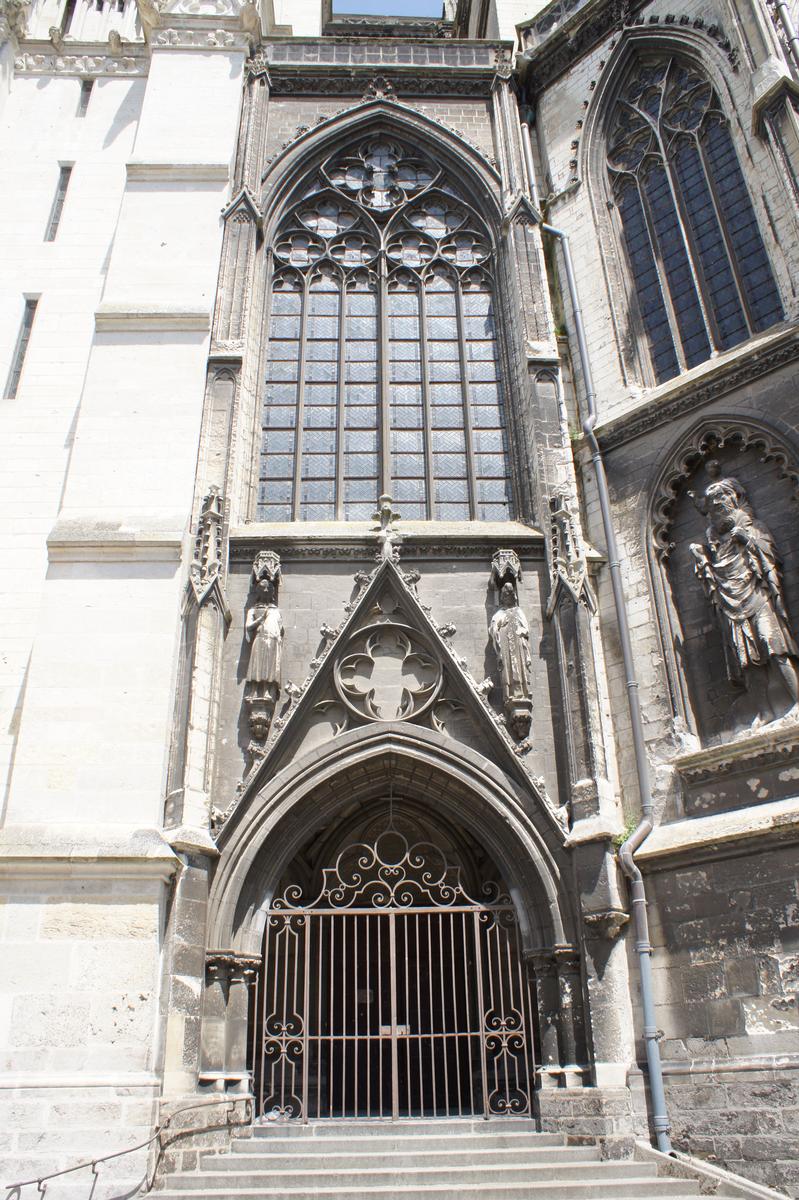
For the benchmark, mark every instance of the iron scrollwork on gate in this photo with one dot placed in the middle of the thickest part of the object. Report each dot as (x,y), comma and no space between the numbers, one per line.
(393,992)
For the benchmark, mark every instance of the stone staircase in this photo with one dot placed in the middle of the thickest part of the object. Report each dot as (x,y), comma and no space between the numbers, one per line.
(442,1160)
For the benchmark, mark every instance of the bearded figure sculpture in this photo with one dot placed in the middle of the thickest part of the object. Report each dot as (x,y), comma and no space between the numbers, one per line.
(740,571)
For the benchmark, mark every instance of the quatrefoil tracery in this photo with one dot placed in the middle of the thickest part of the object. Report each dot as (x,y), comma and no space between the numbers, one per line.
(387,198)
(388,675)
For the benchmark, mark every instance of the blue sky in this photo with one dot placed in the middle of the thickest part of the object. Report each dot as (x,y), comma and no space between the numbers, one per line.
(390,8)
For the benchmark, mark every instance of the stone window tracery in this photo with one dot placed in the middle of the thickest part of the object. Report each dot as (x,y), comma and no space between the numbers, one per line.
(697,258)
(383,363)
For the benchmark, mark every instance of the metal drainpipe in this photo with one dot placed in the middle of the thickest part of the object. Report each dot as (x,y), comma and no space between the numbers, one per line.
(643,947)
(789,29)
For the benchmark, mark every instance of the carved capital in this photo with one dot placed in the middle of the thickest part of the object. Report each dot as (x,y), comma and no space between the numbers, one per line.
(228,967)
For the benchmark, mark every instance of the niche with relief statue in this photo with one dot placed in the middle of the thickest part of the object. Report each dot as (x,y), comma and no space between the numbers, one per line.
(726,550)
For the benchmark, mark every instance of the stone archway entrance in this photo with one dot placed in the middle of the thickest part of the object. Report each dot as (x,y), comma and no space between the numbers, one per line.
(393,992)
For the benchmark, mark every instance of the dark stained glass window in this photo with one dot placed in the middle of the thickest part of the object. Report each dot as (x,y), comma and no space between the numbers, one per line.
(382,365)
(700,269)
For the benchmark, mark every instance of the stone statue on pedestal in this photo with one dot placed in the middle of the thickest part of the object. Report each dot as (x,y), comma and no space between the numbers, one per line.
(510,635)
(263,628)
(740,571)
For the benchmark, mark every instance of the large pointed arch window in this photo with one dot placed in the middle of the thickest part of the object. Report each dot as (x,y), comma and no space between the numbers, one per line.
(383,360)
(698,263)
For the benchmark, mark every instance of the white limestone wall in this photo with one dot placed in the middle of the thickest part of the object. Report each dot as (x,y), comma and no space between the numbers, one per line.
(98,494)
(40,129)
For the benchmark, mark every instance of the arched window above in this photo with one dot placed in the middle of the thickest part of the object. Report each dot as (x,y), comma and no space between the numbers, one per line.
(382,362)
(698,263)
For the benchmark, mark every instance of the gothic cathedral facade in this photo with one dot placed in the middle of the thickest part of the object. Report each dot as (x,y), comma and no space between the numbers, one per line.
(400,673)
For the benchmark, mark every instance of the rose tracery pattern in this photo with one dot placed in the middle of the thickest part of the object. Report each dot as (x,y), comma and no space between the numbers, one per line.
(697,258)
(383,371)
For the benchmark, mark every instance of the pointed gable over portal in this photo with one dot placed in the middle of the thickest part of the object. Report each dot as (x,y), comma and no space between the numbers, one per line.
(389,661)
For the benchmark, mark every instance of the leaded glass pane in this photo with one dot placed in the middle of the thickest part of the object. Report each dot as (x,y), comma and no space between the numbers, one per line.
(360,418)
(361,465)
(276,418)
(278,442)
(403,417)
(452,512)
(319,417)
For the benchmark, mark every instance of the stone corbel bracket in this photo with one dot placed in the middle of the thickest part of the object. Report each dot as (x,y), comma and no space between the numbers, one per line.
(608,923)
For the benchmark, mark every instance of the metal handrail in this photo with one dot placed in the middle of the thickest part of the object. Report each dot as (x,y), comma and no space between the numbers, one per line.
(14,1190)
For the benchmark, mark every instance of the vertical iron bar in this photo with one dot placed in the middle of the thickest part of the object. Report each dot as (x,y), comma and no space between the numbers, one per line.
(392,936)
(332,1017)
(369,1017)
(419,1022)
(478,953)
(432,1024)
(379,919)
(441,971)
(305,1017)
(456,1041)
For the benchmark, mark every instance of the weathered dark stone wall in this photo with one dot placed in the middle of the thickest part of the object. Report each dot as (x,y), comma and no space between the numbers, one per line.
(744,1121)
(725,936)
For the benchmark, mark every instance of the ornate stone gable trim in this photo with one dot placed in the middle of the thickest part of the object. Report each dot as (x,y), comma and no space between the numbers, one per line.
(331,668)
(688,394)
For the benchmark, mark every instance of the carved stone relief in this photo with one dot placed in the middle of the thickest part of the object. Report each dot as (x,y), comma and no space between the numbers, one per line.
(725,569)
(510,635)
(741,572)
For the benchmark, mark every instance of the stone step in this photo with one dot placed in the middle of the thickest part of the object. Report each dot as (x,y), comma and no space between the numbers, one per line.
(423,1156)
(391,1176)
(387,1140)
(586,1189)
(417,1126)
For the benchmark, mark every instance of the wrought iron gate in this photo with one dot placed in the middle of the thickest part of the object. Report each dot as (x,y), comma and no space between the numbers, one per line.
(393,994)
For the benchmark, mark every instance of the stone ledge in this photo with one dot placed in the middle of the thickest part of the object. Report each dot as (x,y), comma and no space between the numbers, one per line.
(704,383)
(342,539)
(78,539)
(53,1080)
(140,171)
(701,836)
(151,318)
(752,751)
(29,851)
